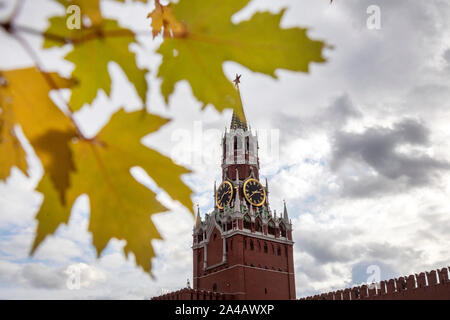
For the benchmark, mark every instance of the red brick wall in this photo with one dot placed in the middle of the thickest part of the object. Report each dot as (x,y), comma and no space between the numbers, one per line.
(433,285)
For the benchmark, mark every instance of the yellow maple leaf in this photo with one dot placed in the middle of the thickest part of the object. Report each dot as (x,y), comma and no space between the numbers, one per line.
(120,206)
(11,151)
(164,20)
(25,101)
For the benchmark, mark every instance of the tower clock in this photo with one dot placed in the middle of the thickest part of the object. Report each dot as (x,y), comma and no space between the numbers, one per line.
(224,194)
(254,192)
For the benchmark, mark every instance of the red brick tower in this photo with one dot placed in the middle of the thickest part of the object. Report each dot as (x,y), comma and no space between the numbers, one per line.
(242,247)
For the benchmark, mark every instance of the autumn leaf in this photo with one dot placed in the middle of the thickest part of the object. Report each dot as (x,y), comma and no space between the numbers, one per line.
(210,38)
(120,206)
(163,18)
(11,151)
(93,49)
(25,101)
(89,9)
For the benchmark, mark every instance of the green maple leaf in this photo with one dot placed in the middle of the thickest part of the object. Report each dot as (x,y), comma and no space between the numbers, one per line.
(93,49)
(120,206)
(210,38)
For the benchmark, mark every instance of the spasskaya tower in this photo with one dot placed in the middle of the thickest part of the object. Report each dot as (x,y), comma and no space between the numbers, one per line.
(242,247)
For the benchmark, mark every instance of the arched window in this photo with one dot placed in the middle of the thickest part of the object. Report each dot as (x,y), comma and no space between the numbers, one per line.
(247,222)
(251,245)
(214,288)
(224,147)
(258,225)
(271,228)
(265,247)
(282,230)
(235,148)
(273,249)
(229,225)
(279,251)
(259,246)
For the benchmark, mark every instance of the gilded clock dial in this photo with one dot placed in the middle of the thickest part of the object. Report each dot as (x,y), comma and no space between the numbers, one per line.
(254,192)
(224,194)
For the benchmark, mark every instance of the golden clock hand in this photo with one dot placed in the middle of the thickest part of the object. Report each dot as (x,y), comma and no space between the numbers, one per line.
(254,193)
(223,196)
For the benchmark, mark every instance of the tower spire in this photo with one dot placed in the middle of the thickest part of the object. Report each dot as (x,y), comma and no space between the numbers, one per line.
(238,120)
(198,219)
(285,213)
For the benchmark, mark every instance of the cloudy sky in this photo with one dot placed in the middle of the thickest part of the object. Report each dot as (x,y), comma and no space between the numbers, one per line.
(359,148)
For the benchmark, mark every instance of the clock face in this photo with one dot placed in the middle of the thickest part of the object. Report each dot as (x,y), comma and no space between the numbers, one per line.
(224,194)
(254,192)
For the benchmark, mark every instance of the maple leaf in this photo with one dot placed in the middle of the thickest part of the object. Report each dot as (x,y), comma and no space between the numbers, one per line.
(25,101)
(120,206)
(93,49)
(210,38)
(89,8)
(163,18)
(12,153)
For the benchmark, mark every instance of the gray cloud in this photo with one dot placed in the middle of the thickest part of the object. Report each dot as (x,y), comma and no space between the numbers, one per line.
(333,117)
(377,148)
(41,276)
(447,55)
(327,249)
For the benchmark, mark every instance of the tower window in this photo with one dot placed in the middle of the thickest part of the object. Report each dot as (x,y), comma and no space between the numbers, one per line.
(271,228)
(224,148)
(235,148)
(247,222)
(282,230)
(247,144)
(258,225)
